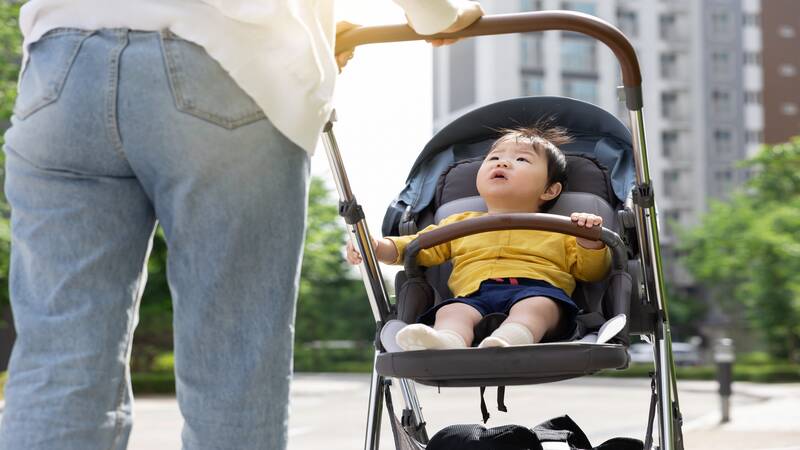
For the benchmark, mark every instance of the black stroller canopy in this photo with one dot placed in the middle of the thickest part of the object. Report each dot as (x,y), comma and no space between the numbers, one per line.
(595,132)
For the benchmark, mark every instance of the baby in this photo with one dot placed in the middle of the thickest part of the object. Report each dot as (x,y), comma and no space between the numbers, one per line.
(527,274)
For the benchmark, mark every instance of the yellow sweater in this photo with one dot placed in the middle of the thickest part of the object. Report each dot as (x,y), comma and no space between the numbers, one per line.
(552,257)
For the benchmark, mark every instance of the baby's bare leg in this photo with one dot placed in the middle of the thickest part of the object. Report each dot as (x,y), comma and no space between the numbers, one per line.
(528,321)
(458,317)
(452,330)
(539,314)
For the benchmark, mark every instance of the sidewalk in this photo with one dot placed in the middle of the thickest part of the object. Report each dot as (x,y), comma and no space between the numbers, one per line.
(763,416)
(772,422)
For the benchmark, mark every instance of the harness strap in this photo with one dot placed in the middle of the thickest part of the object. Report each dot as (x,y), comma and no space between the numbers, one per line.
(501,406)
(501,396)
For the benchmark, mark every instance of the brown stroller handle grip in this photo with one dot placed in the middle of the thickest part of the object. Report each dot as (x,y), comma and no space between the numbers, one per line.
(512,23)
(512,221)
(516,221)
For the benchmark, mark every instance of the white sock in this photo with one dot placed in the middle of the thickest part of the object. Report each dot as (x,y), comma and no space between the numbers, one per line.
(418,336)
(509,333)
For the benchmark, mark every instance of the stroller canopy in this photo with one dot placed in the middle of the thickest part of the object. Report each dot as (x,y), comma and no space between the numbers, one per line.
(595,132)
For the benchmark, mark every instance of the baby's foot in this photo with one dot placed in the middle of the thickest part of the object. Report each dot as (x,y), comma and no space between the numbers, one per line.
(507,334)
(493,341)
(422,337)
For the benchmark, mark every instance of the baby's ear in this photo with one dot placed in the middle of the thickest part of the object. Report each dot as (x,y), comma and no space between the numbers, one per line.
(552,191)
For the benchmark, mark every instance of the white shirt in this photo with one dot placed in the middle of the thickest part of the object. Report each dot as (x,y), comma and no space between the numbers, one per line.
(279,51)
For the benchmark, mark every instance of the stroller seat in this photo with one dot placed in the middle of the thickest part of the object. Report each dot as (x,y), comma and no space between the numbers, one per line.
(529,364)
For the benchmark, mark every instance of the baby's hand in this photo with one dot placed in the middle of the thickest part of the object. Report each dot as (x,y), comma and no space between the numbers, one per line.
(353,255)
(586,220)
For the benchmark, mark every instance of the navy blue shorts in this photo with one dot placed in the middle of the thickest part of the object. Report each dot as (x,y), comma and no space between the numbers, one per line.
(495,296)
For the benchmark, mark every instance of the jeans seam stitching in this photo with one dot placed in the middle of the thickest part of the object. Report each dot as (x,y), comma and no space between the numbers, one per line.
(61,31)
(111,99)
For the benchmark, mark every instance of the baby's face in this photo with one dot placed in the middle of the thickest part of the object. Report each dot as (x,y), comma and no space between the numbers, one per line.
(514,175)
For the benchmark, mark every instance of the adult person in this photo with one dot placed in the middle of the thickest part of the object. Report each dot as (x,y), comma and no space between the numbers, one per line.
(198,114)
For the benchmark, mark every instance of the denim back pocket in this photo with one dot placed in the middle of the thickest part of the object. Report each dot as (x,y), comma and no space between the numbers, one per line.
(202,88)
(49,61)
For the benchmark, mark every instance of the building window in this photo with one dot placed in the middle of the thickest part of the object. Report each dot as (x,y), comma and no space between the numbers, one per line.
(531,5)
(752,58)
(786,31)
(578,55)
(532,54)
(667,26)
(669,65)
(724,181)
(789,109)
(752,97)
(721,22)
(580,88)
(672,182)
(787,70)
(754,136)
(670,144)
(670,108)
(673,219)
(720,62)
(584,7)
(627,21)
(751,19)
(723,141)
(532,84)
(721,101)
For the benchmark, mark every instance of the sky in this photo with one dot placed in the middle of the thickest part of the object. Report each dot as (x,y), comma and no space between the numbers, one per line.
(383,101)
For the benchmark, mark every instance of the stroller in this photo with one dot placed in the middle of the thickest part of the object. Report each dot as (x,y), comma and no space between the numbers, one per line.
(608,176)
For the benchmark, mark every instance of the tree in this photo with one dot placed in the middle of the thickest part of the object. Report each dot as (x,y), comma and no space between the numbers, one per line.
(748,249)
(331,305)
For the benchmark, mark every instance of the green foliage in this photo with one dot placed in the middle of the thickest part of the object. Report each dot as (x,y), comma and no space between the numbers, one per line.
(10,58)
(686,313)
(761,373)
(748,250)
(331,305)
(154,332)
(350,360)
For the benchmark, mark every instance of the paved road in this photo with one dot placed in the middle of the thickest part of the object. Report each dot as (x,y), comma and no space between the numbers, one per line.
(329,412)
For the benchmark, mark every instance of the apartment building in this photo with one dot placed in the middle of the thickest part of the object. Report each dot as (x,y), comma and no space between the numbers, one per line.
(701,65)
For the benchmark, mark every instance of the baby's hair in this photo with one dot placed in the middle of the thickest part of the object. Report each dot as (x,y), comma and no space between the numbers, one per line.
(542,136)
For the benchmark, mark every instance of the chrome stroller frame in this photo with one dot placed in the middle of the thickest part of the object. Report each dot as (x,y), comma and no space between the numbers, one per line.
(642,203)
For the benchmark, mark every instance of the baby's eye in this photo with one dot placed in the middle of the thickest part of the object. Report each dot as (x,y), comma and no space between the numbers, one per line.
(522,159)
(492,158)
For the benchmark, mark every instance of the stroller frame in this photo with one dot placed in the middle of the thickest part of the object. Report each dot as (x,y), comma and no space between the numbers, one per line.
(642,203)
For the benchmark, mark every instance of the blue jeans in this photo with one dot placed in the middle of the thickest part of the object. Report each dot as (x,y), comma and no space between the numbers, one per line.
(114,130)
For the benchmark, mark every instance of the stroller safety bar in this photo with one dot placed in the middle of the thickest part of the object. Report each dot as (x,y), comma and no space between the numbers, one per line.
(520,23)
(514,221)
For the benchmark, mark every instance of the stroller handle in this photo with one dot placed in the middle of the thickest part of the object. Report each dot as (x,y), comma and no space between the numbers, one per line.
(512,221)
(519,23)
